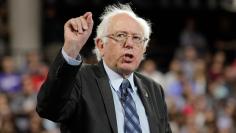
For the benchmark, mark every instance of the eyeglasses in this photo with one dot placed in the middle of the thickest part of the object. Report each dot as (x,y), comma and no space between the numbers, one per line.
(121,37)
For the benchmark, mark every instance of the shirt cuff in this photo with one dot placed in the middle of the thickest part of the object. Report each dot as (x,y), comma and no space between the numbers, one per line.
(71,61)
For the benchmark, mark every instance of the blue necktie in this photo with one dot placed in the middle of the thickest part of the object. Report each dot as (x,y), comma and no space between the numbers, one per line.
(131,119)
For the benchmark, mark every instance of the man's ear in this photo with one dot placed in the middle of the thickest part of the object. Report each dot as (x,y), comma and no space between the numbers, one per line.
(100,45)
(144,50)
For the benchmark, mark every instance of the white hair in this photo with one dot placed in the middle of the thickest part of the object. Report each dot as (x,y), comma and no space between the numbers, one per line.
(113,10)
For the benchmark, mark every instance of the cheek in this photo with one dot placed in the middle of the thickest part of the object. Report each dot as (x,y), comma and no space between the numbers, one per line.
(140,55)
(112,54)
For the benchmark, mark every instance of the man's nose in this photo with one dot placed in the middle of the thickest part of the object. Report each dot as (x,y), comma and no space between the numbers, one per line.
(129,42)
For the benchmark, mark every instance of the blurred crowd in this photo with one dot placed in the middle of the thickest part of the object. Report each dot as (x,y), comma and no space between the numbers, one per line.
(18,92)
(199,85)
(200,92)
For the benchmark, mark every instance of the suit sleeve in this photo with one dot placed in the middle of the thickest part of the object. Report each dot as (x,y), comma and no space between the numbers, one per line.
(59,94)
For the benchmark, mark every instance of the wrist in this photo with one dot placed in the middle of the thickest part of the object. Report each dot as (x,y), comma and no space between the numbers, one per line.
(71,51)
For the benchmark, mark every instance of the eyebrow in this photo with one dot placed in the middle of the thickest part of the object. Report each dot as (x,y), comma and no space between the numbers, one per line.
(129,33)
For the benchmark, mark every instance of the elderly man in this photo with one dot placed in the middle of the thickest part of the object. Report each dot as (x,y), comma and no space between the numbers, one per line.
(109,97)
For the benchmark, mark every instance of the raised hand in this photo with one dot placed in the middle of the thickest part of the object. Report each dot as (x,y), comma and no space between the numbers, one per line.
(76,33)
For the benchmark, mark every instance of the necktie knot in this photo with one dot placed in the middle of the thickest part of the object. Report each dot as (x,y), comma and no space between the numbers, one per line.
(125,84)
(125,87)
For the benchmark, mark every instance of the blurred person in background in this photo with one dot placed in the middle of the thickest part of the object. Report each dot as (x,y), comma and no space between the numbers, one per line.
(210,121)
(188,60)
(108,97)
(200,77)
(35,68)
(226,117)
(217,82)
(10,79)
(172,75)
(230,79)
(216,66)
(190,37)
(149,69)
(173,85)
(6,116)
(23,104)
(36,124)
(190,125)
(25,100)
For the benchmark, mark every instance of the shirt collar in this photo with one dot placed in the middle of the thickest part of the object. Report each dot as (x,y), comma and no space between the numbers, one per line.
(116,80)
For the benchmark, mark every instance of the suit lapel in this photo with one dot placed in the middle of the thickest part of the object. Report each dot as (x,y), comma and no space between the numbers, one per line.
(146,99)
(104,86)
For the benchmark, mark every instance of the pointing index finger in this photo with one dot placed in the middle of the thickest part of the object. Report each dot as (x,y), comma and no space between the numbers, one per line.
(87,14)
(88,18)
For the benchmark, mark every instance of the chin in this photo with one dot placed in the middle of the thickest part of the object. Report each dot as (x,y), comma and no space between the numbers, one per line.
(127,69)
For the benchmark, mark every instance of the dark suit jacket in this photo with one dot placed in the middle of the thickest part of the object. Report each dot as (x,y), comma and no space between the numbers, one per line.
(80,99)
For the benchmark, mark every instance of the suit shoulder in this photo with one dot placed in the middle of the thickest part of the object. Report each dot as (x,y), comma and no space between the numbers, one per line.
(155,88)
(92,70)
(147,80)
(88,67)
